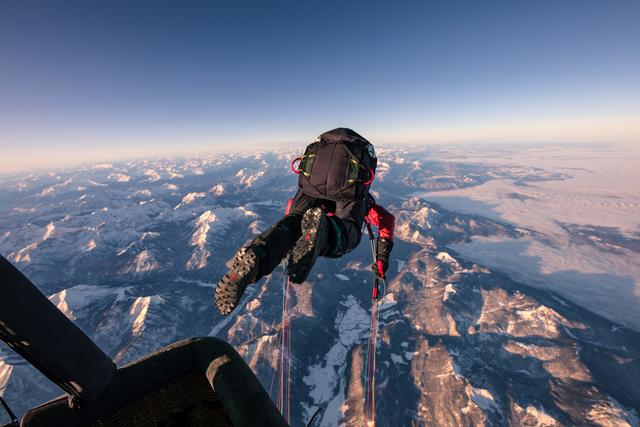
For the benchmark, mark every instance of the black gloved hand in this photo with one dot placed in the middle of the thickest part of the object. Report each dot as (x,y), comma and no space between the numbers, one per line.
(382,257)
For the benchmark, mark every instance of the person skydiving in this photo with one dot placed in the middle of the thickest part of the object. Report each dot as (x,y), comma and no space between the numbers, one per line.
(324,218)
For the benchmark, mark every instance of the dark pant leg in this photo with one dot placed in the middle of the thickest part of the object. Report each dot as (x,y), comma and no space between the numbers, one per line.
(273,244)
(348,221)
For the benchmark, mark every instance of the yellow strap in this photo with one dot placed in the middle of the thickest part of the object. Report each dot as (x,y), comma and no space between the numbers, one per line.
(300,162)
(357,163)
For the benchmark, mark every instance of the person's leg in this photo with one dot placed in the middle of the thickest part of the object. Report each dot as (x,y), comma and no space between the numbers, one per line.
(273,244)
(323,235)
(346,227)
(313,242)
(260,257)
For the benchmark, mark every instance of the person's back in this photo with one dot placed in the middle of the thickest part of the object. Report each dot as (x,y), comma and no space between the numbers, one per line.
(324,218)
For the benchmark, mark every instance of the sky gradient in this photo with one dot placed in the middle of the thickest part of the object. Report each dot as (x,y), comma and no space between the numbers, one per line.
(93,80)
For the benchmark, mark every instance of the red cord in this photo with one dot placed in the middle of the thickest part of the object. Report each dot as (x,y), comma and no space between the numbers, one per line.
(284,380)
(290,314)
(293,169)
(373,175)
(380,269)
(369,407)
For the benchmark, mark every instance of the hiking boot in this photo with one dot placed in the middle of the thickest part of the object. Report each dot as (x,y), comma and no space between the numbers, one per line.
(243,270)
(313,242)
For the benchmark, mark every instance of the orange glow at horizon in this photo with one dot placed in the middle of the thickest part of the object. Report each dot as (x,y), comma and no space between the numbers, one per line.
(624,130)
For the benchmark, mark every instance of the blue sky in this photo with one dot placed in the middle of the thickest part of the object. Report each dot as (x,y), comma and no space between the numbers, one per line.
(83,80)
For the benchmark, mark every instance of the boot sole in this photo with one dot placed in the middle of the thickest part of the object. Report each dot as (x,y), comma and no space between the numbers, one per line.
(242,272)
(306,250)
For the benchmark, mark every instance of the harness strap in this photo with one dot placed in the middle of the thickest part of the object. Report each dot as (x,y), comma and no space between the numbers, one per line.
(365,183)
(298,169)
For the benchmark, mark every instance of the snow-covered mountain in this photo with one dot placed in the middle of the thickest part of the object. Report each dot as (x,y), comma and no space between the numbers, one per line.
(131,252)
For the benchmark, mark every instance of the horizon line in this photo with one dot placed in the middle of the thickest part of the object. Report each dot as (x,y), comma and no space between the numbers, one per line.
(276,146)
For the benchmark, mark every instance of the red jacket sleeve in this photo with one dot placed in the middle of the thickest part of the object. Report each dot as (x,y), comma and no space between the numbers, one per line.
(383,220)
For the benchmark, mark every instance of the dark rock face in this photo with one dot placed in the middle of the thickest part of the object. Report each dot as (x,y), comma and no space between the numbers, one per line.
(458,344)
(603,238)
